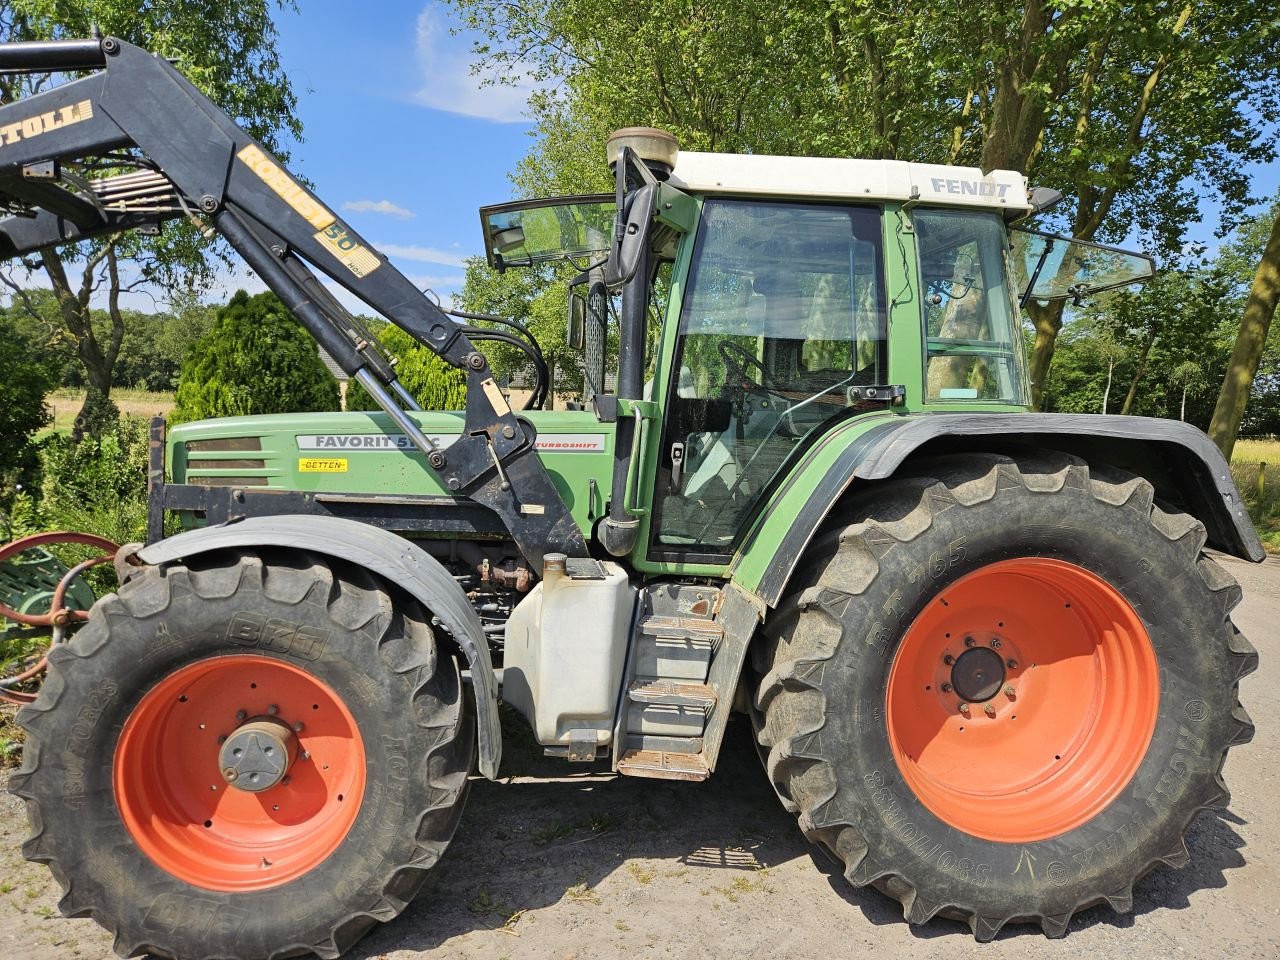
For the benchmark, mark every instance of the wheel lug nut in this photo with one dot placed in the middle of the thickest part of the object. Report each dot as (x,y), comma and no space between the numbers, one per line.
(964,708)
(222,738)
(1011,664)
(969,641)
(229,774)
(241,716)
(946,688)
(273,710)
(948,659)
(989,710)
(1010,692)
(995,644)
(297,727)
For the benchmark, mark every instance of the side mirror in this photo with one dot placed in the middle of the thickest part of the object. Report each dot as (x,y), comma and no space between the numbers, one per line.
(576,335)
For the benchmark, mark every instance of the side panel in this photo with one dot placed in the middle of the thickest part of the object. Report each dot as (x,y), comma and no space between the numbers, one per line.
(365,453)
(392,558)
(1180,461)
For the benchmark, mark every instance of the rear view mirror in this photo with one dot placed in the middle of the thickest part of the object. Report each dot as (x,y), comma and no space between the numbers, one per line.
(1062,268)
(577,328)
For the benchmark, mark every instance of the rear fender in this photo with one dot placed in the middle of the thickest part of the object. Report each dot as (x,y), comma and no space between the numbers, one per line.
(1180,461)
(384,554)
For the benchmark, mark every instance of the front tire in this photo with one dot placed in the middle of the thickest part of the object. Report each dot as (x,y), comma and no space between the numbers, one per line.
(247,756)
(1000,689)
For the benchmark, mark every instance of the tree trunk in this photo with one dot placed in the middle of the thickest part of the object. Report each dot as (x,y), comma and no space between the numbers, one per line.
(99,413)
(1048,321)
(1182,414)
(1250,343)
(1106,394)
(1138,374)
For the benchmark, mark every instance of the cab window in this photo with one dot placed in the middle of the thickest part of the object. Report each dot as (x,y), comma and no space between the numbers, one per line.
(783,315)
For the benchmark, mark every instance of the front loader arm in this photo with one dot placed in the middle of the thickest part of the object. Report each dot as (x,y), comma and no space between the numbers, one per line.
(189,158)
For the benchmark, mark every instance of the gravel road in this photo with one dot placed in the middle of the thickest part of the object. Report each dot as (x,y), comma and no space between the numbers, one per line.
(593,866)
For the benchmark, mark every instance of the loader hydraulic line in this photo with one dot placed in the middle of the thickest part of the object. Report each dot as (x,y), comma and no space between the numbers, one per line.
(181,156)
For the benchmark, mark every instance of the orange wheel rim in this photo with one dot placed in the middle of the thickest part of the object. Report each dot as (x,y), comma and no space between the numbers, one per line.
(1022,699)
(174,796)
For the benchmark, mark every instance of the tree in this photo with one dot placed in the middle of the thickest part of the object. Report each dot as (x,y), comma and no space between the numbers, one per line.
(228,50)
(1190,377)
(433,383)
(1135,108)
(1250,342)
(256,359)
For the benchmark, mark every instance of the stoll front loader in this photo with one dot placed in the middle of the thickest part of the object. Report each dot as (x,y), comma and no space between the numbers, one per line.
(988,664)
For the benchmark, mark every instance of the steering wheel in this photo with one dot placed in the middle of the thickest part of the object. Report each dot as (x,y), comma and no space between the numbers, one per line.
(734,354)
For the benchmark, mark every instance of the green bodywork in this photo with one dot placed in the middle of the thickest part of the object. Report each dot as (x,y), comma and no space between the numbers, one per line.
(582,472)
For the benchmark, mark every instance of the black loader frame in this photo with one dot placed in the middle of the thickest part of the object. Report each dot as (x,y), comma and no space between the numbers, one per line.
(185,157)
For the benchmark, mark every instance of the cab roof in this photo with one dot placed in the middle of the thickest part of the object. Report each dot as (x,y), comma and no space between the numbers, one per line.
(847,179)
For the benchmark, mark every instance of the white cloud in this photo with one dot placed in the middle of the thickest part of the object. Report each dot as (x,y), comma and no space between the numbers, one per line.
(448,83)
(400,251)
(378,206)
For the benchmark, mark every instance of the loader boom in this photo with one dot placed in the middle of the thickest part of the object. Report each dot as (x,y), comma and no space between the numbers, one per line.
(183,156)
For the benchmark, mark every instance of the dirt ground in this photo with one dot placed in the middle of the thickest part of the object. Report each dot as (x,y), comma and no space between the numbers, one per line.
(587,866)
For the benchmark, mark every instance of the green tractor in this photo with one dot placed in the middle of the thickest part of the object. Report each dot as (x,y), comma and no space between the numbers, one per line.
(969,638)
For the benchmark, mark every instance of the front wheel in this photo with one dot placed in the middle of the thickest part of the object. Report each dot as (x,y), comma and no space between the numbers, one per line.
(1001,689)
(247,756)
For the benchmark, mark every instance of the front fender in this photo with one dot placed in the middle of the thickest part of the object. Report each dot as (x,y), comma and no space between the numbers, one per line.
(391,557)
(1180,461)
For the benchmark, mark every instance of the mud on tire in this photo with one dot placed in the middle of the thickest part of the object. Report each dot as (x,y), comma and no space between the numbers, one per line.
(335,624)
(824,723)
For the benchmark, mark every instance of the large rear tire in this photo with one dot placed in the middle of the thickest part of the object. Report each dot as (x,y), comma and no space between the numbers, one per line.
(1000,689)
(247,756)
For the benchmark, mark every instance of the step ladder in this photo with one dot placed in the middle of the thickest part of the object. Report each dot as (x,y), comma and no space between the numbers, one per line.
(668,700)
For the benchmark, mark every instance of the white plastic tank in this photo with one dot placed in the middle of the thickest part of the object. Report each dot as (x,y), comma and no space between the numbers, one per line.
(566,646)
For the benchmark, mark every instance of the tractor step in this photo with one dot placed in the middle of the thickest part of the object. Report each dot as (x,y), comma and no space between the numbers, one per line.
(675,692)
(659,765)
(682,628)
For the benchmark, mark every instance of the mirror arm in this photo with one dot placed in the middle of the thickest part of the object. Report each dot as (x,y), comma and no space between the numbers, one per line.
(1035,274)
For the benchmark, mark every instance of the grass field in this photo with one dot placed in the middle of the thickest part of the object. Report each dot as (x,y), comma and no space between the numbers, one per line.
(65,405)
(1255,464)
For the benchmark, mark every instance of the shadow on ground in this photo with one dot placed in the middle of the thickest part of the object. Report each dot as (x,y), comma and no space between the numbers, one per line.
(527,842)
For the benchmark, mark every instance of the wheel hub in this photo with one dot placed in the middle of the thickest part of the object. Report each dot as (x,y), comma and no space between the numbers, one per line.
(978,674)
(257,756)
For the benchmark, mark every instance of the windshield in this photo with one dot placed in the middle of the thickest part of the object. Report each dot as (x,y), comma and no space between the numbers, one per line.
(783,315)
(528,232)
(1059,268)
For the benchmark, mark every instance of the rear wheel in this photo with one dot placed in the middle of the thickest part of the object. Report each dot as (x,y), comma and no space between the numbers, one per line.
(249,757)
(1001,689)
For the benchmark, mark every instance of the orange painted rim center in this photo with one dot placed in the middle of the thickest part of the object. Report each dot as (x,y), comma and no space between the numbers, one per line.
(1022,700)
(181,810)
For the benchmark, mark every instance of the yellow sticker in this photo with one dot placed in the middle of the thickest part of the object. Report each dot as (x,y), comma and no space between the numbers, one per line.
(274,176)
(494,393)
(350,254)
(318,465)
(30,127)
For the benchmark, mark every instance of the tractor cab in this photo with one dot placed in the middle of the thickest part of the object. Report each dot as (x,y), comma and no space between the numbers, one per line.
(777,297)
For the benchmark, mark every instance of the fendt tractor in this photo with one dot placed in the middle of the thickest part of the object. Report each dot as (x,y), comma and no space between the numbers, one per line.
(969,638)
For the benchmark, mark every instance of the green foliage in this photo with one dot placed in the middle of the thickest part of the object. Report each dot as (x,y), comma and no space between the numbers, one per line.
(432,382)
(25,378)
(98,485)
(256,359)
(1138,111)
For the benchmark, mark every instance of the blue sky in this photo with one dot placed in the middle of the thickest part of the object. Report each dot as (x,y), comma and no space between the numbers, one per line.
(398,135)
